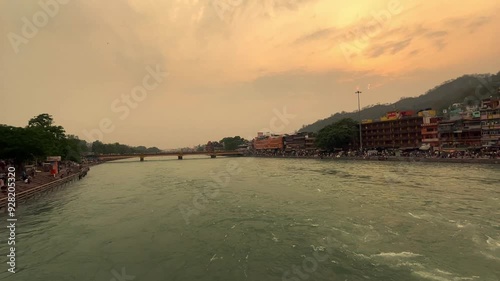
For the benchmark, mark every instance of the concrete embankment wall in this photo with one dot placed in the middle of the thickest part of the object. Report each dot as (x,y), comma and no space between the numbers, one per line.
(447,160)
(38,190)
(396,159)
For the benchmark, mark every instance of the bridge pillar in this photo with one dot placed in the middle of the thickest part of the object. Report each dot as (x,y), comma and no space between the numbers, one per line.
(142,158)
(213,156)
(179,157)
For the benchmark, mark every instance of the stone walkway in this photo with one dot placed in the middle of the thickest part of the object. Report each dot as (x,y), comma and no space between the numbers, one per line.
(40,178)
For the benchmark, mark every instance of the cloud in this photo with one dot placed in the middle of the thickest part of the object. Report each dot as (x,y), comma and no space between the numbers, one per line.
(472,22)
(414,53)
(317,35)
(321,83)
(436,34)
(388,48)
(260,55)
(476,23)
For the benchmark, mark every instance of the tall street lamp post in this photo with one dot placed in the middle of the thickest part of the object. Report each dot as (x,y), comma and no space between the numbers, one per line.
(359,117)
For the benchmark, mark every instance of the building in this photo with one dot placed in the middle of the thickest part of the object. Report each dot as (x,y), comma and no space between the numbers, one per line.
(299,141)
(490,123)
(460,134)
(265,142)
(243,147)
(397,129)
(461,130)
(430,134)
(295,142)
(310,142)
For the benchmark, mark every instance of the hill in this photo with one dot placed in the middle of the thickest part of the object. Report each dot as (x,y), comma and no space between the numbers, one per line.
(468,89)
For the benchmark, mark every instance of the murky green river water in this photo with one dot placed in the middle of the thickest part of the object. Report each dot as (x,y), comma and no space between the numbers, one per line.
(264,219)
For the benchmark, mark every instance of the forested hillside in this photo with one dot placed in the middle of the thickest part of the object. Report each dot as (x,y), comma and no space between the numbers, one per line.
(468,89)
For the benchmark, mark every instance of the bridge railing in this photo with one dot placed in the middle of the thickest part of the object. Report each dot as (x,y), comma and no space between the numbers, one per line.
(233,152)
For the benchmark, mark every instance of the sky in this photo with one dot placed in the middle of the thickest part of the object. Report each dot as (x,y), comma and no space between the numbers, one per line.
(177,73)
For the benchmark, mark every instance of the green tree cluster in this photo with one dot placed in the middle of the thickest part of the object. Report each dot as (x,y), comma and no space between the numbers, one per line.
(232,143)
(117,148)
(200,147)
(39,139)
(340,134)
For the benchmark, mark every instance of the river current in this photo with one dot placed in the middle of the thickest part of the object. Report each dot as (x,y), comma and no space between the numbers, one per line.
(263,219)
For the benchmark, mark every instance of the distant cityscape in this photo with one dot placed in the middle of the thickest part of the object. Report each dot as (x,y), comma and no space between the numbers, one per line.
(459,128)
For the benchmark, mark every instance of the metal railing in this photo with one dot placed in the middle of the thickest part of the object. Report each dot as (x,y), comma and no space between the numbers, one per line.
(26,194)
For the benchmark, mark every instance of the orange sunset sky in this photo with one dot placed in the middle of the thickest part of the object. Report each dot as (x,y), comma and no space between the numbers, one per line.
(231,63)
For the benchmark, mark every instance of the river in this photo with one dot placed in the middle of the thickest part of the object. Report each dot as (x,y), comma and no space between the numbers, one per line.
(263,219)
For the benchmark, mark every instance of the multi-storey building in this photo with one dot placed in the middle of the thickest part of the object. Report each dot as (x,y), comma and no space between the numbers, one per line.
(430,134)
(299,141)
(295,142)
(310,142)
(395,130)
(490,123)
(460,134)
(461,129)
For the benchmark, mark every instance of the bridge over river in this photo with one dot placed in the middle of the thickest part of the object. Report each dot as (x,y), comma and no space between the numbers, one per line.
(180,155)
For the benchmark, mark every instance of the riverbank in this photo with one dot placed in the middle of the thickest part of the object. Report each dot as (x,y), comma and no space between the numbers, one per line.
(394,159)
(41,183)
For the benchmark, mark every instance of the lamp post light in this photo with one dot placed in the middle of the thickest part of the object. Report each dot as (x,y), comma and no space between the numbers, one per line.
(359,117)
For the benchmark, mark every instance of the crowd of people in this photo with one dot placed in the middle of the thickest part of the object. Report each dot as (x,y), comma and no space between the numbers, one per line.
(282,153)
(478,154)
(27,173)
(382,154)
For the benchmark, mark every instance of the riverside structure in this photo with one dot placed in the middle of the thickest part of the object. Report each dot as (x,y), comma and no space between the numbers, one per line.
(471,129)
(40,189)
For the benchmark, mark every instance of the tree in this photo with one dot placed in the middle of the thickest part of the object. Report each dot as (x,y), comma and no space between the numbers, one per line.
(337,135)
(98,147)
(41,138)
(43,120)
(54,137)
(73,149)
(153,149)
(232,143)
(28,144)
(84,147)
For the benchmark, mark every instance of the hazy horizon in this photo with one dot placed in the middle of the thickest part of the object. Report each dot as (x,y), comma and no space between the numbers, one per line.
(231,64)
